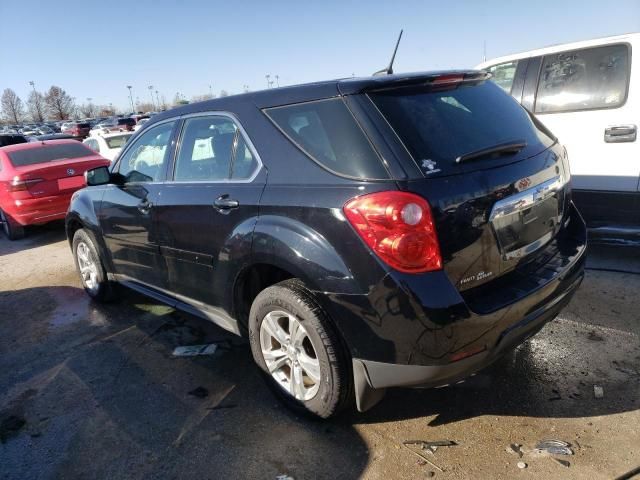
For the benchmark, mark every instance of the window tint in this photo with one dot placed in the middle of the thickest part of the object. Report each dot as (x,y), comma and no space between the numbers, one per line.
(49,153)
(439,125)
(244,164)
(503,74)
(145,160)
(327,132)
(583,79)
(206,149)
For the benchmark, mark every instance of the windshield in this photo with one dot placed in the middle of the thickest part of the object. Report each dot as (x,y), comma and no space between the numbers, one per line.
(439,125)
(117,142)
(48,153)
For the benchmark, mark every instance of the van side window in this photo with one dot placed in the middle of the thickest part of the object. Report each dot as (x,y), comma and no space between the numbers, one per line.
(503,74)
(585,79)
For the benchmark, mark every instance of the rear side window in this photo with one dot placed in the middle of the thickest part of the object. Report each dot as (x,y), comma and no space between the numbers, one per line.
(117,141)
(439,125)
(583,79)
(327,132)
(49,153)
(503,74)
(126,121)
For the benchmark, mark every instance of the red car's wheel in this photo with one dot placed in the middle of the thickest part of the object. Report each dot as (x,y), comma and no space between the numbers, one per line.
(12,229)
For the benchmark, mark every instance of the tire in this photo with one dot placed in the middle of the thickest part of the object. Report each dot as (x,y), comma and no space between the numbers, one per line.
(313,354)
(90,267)
(12,229)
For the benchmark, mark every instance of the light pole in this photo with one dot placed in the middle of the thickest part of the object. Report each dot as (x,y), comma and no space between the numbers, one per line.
(131,99)
(246,88)
(158,99)
(33,84)
(278,80)
(267,76)
(210,91)
(90,106)
(113,112)
(153,105)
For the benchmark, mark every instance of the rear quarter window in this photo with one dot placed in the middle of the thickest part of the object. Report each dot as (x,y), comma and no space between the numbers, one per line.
(48,153)
(327,132)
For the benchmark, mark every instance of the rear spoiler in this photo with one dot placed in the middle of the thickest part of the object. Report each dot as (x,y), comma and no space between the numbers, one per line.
(392,82)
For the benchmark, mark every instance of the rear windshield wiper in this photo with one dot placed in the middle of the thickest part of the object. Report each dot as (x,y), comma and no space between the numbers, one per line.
(513,146)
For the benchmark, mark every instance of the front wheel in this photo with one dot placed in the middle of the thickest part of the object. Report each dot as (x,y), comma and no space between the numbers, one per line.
(295,344)
(90,267)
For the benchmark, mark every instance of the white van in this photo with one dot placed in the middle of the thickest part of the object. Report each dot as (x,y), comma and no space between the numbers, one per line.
(588,94)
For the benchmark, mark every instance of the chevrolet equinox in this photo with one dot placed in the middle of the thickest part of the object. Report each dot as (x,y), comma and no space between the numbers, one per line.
(397,230)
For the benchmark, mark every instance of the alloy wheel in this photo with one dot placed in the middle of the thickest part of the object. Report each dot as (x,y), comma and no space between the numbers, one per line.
(88,267)
(290,355)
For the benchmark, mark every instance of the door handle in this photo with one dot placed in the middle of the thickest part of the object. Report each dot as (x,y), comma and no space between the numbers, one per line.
(620,133)
(224,204)
(145,206)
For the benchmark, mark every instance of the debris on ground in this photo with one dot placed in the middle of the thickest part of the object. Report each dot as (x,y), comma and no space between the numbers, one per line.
(419,455)
(195,350)
(522,465)
(424,444)
(554,447)
(431,474)
(515,448)
(199,392)
(564,463)
(598,391)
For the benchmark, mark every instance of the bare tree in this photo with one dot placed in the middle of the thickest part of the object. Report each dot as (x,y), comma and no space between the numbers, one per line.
(87,110)
(36,106)
(60,105)
(12,108)
(145,107)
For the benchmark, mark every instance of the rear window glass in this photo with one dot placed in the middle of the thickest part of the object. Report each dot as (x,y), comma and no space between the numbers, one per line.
(84,125)
(327,132)
(48,153)
(117,142)
(11,140)
(439,125)
(126,121)
(583,79)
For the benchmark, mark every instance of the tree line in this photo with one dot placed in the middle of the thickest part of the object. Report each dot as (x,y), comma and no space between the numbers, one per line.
(54,104)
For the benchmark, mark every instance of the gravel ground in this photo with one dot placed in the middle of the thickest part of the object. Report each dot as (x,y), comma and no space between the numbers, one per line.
(92,391)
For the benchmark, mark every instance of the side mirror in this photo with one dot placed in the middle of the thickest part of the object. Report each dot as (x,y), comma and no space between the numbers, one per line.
(97,176)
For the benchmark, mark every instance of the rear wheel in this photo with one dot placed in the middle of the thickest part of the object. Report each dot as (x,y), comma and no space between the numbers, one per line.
(295,344)
(90,267)
(12,229)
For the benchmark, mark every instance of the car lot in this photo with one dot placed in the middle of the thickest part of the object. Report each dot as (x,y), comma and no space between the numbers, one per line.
(84,384)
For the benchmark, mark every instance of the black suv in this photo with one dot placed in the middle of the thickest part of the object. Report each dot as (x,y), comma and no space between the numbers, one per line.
(400,230)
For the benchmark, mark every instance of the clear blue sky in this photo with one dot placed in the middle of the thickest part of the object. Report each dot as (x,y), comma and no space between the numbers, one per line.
(95,48)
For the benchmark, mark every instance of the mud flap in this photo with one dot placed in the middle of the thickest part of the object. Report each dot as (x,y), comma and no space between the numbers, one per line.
(366,395)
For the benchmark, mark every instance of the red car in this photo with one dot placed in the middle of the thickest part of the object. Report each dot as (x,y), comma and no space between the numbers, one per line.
(37,180)
(79,130)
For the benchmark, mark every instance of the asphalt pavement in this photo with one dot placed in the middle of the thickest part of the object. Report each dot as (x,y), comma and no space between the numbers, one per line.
(93,391)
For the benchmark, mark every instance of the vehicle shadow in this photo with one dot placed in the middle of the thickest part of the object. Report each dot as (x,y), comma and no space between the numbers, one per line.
(36,236)
(101,392)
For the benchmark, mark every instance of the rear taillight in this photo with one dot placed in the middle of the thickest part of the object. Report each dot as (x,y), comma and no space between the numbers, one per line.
(399,228)
(18,184)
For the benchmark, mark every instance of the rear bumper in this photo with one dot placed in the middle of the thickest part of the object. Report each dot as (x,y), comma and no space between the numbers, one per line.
(421,331)
(34,211)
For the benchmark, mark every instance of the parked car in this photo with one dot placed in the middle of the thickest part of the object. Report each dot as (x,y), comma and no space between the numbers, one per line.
(52,136)
(108,145)
(37,180)
(44,130)
(411,229)
(116,125)
(29,130)
(65,126)
(140,124)
(588,94)
(12,139)
(79,130)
